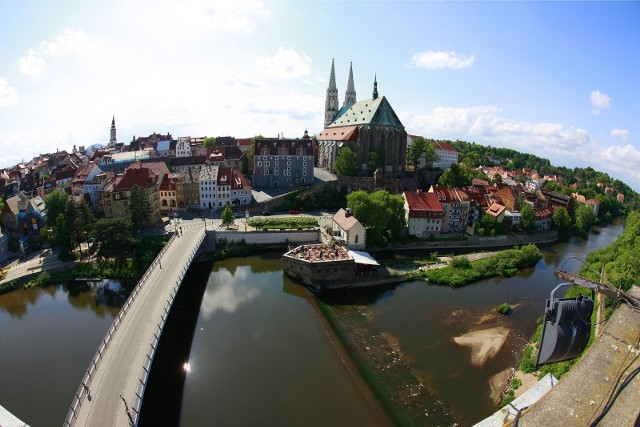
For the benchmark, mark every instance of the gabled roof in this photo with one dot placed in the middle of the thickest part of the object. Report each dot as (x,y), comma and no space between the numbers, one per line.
(369,112)
(344,133)
(444,146)
(140,177)
(422,202)
(343,221)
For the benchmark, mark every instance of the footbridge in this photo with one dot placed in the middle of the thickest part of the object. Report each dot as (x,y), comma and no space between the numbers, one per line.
(112,387)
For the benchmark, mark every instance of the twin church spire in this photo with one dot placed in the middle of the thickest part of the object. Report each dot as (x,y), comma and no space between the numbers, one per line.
(331,104)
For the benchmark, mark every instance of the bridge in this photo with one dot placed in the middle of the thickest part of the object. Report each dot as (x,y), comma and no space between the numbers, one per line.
(112,387)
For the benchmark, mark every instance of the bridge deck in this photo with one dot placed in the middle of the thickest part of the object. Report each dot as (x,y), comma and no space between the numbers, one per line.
(120,367)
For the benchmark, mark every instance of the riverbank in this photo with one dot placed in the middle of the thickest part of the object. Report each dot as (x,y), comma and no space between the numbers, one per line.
(379,368)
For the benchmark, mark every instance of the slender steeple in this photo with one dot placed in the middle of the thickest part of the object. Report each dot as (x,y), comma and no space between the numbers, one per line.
(113,140)
(331,103)
(375,87)
(350,93)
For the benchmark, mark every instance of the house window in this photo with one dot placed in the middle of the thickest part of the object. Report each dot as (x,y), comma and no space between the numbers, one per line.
(357,239)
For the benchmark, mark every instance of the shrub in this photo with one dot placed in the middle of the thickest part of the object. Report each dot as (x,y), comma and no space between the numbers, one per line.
(461,262)
(504,308)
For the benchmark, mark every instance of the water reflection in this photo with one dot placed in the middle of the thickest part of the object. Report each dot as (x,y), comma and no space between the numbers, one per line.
(227,290)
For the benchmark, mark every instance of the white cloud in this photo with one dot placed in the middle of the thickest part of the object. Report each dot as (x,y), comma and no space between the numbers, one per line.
(32,64)
(285,64)
(236,16)
(623,134)
(485,125)
(70,43)
(599,102)
(8,95)
(440,59)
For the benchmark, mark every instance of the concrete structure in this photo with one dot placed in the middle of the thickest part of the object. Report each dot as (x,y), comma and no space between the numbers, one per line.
(283,163)
(7,419)
(423,213)
(346,228)
(327,266)
(582,394)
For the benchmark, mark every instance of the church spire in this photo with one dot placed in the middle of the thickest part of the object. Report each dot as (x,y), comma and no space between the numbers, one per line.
(113,140)
(350,93)
(331,103)
(375,87)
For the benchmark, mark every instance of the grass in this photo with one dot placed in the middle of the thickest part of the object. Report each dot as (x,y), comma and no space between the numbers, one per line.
(504,309)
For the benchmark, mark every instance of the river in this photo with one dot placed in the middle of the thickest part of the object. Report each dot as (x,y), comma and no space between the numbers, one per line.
(260,356)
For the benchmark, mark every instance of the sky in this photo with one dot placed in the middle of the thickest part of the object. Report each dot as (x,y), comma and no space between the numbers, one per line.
(556,79)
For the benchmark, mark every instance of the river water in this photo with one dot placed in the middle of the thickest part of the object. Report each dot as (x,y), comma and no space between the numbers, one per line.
(260,356)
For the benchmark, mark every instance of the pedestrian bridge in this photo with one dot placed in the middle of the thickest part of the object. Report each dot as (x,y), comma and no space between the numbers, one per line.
(112,388)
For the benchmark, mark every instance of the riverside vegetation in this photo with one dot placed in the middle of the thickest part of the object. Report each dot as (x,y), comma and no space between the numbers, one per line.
(461,271)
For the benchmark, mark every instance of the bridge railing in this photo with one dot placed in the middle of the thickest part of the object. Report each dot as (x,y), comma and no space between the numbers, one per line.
(153,345)
(83,389)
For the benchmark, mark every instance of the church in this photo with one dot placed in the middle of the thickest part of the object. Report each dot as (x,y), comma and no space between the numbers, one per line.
(366,127)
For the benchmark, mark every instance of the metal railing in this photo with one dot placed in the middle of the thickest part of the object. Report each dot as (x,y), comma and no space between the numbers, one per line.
(83,389)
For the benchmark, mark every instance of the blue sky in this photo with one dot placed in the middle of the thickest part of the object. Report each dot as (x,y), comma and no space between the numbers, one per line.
(555,79)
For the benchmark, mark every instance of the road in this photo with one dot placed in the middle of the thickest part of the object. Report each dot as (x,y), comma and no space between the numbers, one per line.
(119,370)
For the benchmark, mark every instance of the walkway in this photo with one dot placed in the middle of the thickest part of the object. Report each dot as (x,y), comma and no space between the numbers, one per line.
(119,369)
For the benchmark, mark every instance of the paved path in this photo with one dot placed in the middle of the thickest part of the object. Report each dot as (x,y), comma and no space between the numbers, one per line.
(47,260)
(119,370)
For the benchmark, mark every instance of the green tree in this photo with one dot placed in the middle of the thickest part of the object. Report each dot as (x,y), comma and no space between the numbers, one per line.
(209,142)
(528,218)
(561,221)
(381,213)
(113,237)
(374,162)
(346,163)
(454,177)
(56,203)
(139,207)
(421,147)
(584,218)
(227,215)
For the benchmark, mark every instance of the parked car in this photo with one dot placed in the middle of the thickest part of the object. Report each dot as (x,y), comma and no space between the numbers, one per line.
(266,213)
(238,214)
(293,212)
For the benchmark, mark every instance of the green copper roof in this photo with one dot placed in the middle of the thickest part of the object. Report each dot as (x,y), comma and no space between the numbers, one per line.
(370,112)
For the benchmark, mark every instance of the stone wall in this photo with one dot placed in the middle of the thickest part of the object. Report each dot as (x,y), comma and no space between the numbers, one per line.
(263,237)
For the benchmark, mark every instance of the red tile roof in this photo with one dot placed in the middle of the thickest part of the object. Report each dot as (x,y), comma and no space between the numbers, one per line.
(420,203)
(344,133)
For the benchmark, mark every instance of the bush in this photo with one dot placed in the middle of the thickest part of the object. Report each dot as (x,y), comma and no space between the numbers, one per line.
(504,309)
(461,262)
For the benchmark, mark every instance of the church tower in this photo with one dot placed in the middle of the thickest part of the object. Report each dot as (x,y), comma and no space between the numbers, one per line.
(113,140)
(375,87)
(331,104)
(350,93)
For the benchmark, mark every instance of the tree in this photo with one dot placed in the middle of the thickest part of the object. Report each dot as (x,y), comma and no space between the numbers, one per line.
(113,237)
(454,177)
(209,142)
(56,203)
(374,162)
(227,215)
(381,213)
(346,162)
(584,218)
(561,221)
(528,218)
(139,207)
(418,148)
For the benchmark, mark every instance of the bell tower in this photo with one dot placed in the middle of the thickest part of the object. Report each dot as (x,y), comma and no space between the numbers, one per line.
(113,140)
(331,103)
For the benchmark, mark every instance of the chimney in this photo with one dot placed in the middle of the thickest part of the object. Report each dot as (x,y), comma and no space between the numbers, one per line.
(347,212)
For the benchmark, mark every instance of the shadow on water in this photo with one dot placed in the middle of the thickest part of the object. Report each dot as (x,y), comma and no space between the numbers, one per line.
(163,394)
